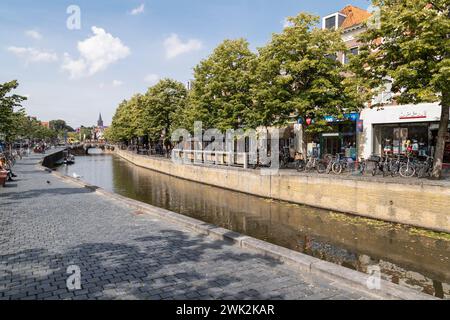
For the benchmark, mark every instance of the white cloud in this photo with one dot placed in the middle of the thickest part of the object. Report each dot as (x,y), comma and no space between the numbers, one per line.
(151,79)
(117,83)
(76,68)
(138,10)
(33,34)
(174,46)
(33,54)
(96,54)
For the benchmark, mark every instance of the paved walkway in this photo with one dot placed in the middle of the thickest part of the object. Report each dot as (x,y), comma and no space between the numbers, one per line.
(47,225)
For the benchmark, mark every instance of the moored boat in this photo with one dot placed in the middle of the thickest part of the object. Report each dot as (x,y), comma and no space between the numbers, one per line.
(70,159)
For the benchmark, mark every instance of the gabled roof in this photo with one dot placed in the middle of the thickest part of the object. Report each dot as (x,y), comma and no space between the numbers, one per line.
(354,16)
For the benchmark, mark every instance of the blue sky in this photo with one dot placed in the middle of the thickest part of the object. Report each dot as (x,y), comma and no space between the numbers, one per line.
(124,46)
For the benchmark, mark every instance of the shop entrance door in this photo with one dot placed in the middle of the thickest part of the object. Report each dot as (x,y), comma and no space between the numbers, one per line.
(331,144)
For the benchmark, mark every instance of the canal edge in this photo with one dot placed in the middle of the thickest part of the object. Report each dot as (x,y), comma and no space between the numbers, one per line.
(303,263)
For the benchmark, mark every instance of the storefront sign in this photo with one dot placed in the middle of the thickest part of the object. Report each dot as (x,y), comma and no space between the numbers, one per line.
(330,135)
(360,126)
(330,119)
(348,116)
(408,115)
(352,116)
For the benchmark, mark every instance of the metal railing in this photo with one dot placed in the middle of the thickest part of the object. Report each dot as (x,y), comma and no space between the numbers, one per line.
(228,158)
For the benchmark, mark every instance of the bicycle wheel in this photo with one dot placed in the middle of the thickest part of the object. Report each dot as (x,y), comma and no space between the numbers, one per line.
(361,168)
(395,170)
(407,171)
(385,169)
(301,166)
(423,172)
(337,168)
(375,170)
(321,167)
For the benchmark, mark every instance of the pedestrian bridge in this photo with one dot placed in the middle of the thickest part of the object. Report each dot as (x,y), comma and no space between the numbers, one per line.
(83,148)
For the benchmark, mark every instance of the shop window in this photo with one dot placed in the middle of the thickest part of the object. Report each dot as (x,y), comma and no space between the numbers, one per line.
(342,140)
(402,139)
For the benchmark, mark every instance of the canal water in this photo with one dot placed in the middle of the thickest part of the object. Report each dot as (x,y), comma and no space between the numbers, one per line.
(410,257)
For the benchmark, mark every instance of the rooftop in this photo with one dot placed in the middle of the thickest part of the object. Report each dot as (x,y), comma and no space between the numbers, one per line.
(354,16)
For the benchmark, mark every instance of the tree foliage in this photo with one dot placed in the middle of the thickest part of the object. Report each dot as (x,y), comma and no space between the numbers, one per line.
(221,90)
(9,116)
(14,122)
(121,127)
(152,115)
(164,105)
(60,126)
(409,50)
(299,76)
(32,129)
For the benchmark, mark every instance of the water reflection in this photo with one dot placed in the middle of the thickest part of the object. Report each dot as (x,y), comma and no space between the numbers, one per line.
(408,259)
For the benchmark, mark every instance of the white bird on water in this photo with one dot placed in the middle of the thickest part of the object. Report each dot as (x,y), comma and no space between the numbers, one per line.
(76,176)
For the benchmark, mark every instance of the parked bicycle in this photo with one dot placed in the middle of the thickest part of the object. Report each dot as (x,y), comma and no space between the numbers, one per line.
(408,169)
(395,165)
(381,165)
(313,163)
(425,168)
(285,157)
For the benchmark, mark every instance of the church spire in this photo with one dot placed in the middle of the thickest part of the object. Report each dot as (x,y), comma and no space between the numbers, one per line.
(100,121)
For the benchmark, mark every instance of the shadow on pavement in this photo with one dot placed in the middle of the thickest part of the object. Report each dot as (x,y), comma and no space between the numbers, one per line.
(42,192)
(169,265)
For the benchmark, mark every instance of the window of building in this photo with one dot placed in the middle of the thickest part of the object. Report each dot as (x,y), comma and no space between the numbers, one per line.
(341,19)
(396,139)
(332,56)
(330,23)
(351,52)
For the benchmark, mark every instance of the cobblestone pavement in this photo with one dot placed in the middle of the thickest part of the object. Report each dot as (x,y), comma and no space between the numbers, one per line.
(47,225)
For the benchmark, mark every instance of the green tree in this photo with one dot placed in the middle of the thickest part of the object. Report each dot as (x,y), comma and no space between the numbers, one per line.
(152,115)
(122,129)
(409,49)
(8,105)
(32,129)
(164,103)
(136,118)
(299,76)
(221,90)
(85,133)
(60,126)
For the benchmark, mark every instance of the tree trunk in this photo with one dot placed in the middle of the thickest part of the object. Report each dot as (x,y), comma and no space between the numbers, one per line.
(440,144)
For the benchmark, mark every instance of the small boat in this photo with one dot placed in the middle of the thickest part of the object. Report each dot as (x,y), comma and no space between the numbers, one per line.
(70,159)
